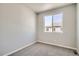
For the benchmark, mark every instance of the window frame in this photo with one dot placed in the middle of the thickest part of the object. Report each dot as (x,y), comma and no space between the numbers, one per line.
(52,23)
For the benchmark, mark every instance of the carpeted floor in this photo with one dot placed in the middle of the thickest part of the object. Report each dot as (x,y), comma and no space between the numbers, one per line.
(40,49)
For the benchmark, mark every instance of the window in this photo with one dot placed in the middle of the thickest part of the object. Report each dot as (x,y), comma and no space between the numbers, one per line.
(48,23)
(53,23)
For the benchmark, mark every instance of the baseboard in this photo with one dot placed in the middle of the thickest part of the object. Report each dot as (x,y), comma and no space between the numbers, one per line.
(19,49)
(35,42)
(58,45)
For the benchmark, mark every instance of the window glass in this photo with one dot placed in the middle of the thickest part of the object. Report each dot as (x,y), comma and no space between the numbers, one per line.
(53,23)
(57,22)
(48,23)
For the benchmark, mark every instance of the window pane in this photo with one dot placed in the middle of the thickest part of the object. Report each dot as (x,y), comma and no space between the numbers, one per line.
(48,23)
(48,20)
(57,22)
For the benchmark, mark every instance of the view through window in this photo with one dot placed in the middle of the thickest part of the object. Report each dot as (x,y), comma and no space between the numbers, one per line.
(53,23)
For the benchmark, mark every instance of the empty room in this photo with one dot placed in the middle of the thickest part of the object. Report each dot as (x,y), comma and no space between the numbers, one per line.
(39,29)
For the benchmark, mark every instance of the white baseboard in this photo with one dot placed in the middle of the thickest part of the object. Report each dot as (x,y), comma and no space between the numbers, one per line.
(35,42)
(19,49)
(58,45)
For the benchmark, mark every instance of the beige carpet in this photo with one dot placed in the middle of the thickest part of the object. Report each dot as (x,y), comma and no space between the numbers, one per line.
(40,49)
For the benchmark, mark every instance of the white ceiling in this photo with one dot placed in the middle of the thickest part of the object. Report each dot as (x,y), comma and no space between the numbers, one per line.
(40,7)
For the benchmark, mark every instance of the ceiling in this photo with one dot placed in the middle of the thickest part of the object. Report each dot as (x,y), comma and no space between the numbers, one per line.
(40,7)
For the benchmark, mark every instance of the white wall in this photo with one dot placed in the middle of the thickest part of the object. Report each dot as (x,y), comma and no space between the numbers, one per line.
(78,28)
(65,39)
(17,27)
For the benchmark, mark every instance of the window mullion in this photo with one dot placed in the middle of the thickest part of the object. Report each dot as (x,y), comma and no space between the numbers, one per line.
(52,23)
